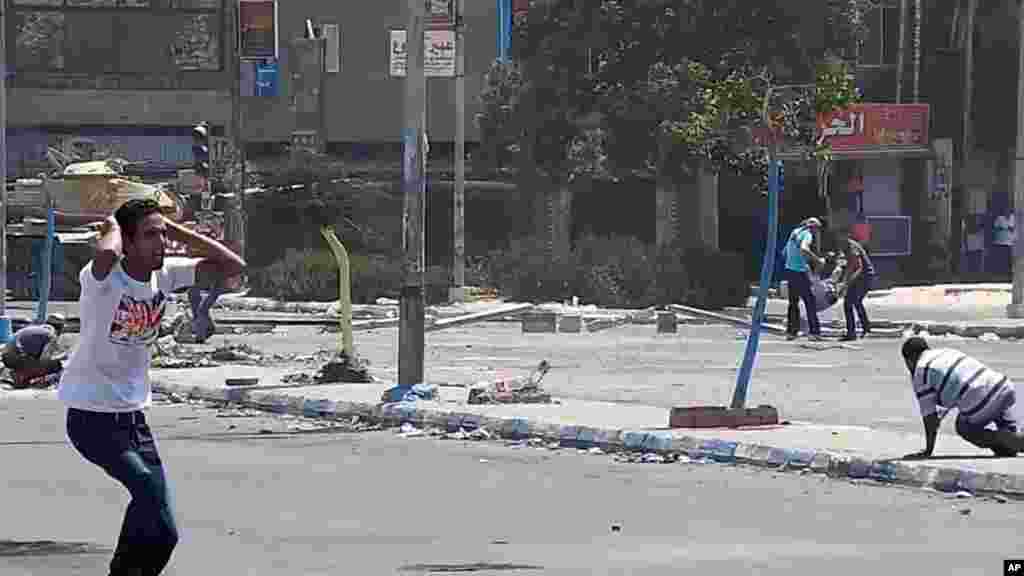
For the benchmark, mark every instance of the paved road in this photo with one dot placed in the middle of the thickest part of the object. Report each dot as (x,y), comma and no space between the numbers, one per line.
(866,386)
(374,503)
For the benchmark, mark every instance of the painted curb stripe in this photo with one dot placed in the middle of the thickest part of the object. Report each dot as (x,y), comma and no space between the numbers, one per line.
(835,465)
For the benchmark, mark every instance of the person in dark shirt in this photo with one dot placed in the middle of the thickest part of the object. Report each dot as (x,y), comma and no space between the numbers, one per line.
(858,281)
(28,355)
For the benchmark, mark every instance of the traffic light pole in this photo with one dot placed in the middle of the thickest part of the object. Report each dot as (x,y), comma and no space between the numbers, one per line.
(411,337)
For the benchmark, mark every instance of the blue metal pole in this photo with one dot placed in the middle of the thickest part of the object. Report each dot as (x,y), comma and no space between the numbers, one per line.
(739,396)
(504,29)
(47,267)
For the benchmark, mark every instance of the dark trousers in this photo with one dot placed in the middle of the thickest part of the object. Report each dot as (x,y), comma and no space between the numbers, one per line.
(122,445)
(800,289)
(854,301)
(1007,439)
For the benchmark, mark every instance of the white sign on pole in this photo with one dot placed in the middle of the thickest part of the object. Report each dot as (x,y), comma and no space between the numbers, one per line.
(439,53)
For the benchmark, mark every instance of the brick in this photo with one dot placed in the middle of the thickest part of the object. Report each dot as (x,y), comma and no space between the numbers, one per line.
(539,322)
(721,417)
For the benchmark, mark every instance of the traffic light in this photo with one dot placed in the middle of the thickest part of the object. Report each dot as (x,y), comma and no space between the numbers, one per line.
(201,149)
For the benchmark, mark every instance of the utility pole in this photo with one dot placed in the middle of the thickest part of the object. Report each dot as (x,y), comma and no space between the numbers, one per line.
(411,312)
(901,57)
(5,321)
(234,217)
(1016,307)
(458,292)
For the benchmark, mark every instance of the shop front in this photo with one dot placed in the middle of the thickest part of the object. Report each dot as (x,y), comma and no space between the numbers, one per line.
(877,181)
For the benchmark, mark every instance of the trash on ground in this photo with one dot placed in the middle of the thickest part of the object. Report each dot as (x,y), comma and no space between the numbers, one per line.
(410,393)
(407,430)
(170,353)
(523,390)
(344,368)
(297,378)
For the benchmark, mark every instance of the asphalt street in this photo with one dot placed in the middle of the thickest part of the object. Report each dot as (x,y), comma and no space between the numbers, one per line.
(271,496)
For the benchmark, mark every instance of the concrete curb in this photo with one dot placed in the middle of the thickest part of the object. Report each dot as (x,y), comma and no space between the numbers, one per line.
(835,465)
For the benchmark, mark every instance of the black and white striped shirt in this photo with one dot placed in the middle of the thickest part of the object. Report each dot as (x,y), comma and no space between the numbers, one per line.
(949,378)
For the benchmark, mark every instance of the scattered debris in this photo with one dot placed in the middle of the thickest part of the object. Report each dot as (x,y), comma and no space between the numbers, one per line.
(516,391)
(239,353)
(410,393)
(170,353)
(343,368)
(297,378)
(648,458)
(407,430)
(989,337)
(616,528)
(965,511)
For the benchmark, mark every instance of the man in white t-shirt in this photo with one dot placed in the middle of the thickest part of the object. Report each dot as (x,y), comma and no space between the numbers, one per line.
(106,381)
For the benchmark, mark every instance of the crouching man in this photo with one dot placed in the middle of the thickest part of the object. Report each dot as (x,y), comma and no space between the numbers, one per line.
(988,414)
(29,353)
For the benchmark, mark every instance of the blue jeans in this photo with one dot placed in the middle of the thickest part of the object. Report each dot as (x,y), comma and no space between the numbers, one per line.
(854,302)
(122,445)
(800,289)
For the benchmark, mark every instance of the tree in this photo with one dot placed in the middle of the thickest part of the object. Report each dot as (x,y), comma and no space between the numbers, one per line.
(612,87)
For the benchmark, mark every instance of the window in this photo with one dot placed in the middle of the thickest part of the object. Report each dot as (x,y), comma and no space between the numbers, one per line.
(332,58)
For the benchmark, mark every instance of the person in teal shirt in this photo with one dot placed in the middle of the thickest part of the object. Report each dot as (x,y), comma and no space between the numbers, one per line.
(799,256)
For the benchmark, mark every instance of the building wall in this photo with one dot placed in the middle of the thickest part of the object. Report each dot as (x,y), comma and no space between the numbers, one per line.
(159,65)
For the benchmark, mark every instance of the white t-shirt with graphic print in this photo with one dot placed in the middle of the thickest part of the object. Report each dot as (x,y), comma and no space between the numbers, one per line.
(109,368)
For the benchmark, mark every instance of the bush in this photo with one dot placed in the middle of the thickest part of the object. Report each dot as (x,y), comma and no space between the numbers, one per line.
(619,272)
(313,275)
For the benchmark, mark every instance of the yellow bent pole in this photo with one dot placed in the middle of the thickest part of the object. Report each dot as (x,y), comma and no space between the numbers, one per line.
(344,289)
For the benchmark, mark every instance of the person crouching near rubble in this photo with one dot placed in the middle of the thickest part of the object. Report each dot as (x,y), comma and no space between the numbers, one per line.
(29,353)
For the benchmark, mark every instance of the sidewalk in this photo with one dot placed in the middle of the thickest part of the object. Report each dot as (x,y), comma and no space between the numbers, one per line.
(839,451)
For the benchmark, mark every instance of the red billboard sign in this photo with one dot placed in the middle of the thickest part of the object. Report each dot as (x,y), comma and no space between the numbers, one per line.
(875,125)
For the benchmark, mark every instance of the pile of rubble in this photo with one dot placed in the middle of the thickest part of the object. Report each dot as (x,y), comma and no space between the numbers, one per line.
(523,390)
(168,353)
(339,369)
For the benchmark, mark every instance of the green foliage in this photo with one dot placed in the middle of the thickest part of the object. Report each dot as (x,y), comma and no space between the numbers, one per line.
(618,272)
(609,87)
(313,275)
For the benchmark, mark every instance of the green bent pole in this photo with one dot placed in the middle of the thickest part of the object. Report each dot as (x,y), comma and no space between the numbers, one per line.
(344,289)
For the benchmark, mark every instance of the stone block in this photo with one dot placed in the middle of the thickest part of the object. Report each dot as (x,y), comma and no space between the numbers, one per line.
(572,324)
(722,417)
(668,323)
(539,322)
